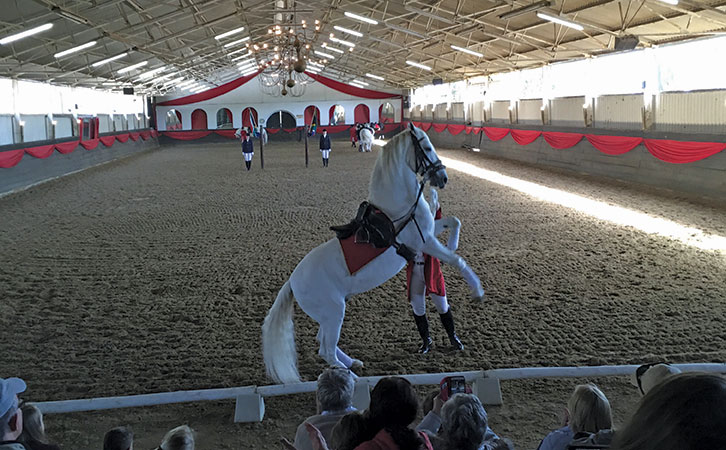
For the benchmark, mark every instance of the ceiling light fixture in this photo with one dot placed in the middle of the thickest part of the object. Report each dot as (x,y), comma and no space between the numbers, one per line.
(375,77)
(466,50)
(238,41)
(348,31)
(134,66)
(30,32)
(406,30)
(70,16)
(342,42)
(237,51)
(429,14)
(415,64)
(108,60)
(525,9)
(229,33)
(333,49)
(560,21)
(324,55)
(151,73)
(74,49)
(360,18)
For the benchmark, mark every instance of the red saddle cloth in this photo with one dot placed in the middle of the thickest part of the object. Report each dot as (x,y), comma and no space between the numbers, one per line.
(358,255)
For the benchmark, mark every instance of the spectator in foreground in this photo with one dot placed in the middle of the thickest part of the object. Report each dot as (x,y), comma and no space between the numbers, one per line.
(119,438)
(685,412)
(385,424)
(334,399)
(11,416)
(588,420)
(648,376)
(33,436)
(180,438)
(464,426)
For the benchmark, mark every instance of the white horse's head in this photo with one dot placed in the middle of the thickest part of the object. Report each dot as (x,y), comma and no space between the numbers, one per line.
(427,162)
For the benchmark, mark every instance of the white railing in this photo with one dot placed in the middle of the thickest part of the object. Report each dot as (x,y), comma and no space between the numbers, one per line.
(250,405)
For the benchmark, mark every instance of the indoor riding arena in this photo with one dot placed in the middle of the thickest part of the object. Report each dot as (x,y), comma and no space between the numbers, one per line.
(143,244)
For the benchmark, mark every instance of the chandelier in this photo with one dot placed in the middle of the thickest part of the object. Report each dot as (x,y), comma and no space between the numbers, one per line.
(283,56)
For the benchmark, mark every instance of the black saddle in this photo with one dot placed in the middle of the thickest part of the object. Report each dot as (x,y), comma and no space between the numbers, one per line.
(370,226)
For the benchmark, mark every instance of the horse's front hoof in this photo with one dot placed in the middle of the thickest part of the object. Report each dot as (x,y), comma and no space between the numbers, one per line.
(478,299)
(357,364)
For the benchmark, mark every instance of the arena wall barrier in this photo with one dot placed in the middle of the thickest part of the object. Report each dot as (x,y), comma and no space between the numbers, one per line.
(250,406)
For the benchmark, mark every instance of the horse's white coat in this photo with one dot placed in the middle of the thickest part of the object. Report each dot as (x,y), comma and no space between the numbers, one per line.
(366,140)
(321,283)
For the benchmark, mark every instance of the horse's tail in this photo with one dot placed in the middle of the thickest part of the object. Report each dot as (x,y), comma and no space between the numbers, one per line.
(278,339)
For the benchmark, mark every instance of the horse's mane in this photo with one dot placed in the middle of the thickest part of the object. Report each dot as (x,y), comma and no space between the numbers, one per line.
(388,155)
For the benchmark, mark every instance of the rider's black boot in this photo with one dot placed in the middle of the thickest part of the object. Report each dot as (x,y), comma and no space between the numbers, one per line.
(422,323)
(448,321)
(248,164)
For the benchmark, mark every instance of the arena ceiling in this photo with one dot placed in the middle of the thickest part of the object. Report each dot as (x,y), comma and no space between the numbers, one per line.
(179,35)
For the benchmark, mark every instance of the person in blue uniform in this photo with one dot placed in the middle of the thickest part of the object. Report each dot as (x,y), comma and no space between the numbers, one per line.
(248,150)
(325,147)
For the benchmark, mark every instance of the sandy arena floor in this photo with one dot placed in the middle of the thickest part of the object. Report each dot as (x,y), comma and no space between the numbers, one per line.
(154,274)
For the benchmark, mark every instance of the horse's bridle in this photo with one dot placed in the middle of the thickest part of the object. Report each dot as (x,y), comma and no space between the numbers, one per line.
(424,166)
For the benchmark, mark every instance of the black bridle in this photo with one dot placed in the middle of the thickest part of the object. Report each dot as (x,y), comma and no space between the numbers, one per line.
(426,168)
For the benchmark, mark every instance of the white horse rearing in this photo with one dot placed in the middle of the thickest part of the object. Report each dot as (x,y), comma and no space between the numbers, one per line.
(366,140)
(321,282)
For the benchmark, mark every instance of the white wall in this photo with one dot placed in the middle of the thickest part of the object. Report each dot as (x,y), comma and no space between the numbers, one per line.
(500,111)
(6,129)
(567,111)
(530,111)
(35,127)
(691,111)
(64,126)
(250,95)
(619,112)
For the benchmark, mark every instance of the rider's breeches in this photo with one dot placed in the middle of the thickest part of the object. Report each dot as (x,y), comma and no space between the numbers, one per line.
(326,153)
(418,294)
(248,156)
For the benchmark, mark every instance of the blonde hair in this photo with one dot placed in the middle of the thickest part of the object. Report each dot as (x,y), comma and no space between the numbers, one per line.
(180,438)
(589,410)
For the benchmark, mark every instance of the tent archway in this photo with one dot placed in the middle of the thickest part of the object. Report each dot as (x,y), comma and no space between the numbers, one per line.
(249,115)
(386,113)
(310,112)
(199,120)
(281,119)
(224,118)
(336,115)
(362,114)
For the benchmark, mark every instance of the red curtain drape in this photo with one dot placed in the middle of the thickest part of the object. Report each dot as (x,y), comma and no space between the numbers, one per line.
(199,120)
(613,145)
(246,122)
(525,137)
(495,134)
(362,114)
(211,93)
(351,90)
(679,152)
(560,140)
(456,129)
(311,111)
(11,158)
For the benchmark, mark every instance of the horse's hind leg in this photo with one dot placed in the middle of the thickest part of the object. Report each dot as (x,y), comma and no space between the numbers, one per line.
(331,321)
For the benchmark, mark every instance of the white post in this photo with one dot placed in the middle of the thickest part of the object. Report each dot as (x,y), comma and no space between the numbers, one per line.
(488,390)
(249,408)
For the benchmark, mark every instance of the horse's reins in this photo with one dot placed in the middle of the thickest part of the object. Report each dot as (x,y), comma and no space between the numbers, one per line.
(426,168)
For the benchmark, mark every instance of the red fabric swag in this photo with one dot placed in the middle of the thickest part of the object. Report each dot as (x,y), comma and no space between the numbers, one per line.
(272,130)
(134,136)
(90,144)
(495,134)
(66,147)
(11,158)
(456,129)
(43,151)
(289,130)
(145,135)
(560,140)
(186,135)
(426,126)
(613,145)
(334,128)
(107,140)
(678,152)
(417,124)
(211,93)
(439,127)
(351,90)
(525,137)
(154,133)
(227,133)
(122,137)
